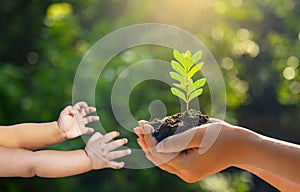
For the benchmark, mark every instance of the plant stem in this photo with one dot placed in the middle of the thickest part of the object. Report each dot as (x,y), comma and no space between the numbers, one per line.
(187,91)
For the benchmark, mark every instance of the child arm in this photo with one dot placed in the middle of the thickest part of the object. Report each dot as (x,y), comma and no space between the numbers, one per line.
(71,123)
(98,154)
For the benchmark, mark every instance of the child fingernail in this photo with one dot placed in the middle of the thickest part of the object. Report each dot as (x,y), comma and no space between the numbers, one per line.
(116,133)
(128,151)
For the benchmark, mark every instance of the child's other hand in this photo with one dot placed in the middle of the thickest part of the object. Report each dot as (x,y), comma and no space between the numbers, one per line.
(100,148)
(73,120)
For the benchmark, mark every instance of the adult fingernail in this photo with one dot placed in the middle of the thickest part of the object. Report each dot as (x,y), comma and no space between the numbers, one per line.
(137,130)
(128,151)
(147,129)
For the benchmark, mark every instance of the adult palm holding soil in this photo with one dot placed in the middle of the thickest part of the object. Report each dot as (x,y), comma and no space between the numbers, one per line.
(275,161)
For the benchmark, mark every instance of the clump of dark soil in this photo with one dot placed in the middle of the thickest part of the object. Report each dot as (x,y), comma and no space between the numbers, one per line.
(177,123)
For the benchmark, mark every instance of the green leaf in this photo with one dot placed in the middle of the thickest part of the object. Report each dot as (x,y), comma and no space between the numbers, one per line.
(194,70)
(178,93)
(188,53)
(189,63)
(199,83)
(200,64)
(197,56)
(178,56)
(191,86)
(177,77)
(180,86)
(194,94)
(179,68)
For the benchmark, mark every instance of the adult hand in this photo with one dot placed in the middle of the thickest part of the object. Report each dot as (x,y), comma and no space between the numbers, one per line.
(73,120)
(202,137)
(182,158)
(100,148)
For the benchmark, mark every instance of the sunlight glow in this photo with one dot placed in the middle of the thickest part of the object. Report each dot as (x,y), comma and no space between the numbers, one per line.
(227,63)
(289,73)
(293,62)
(295,87)
(57,11)
(217,34)
(243,34)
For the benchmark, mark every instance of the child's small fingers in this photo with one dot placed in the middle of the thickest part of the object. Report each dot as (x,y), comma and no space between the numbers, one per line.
(89,130)
(90,119)
(116,165)
(118,154)
(109,136)
(87,110)
(80,105)
(92,109)
(96,136)
(116,144)
(67,110)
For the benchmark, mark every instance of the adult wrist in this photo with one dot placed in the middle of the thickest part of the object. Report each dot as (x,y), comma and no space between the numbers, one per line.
(242,141)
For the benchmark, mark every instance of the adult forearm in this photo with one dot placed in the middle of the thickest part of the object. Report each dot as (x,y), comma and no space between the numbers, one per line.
(275,156)
(277,181)
(31,135)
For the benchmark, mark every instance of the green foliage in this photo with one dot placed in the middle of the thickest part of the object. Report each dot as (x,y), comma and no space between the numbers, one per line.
(187,89)
(256,43)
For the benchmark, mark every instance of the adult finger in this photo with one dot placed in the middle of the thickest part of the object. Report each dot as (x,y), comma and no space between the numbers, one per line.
(143,145)
(163,166)
(149,139)
(142,123)
(185,140)
(139,132)
(160,157)
(214,120)
(192,138)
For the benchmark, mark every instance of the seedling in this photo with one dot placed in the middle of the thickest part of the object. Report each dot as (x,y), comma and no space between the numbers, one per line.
(185,68)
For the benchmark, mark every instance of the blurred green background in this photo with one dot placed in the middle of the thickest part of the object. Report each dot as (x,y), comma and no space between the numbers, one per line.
(256,44)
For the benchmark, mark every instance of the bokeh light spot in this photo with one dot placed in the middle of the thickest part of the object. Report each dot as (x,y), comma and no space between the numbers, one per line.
(227,63)
(293,62)
(217,34)
(289,73)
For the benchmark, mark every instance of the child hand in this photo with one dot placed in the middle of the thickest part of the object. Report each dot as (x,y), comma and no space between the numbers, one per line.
(72,120)
(100,148)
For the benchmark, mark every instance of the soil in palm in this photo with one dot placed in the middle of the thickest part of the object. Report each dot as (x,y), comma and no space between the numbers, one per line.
(177,123)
